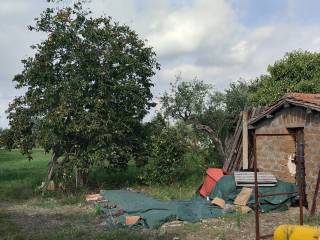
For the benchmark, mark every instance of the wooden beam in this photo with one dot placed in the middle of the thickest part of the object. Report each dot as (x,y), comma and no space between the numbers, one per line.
(245,161)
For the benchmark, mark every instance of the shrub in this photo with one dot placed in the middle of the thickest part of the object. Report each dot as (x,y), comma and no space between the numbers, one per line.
(166,157)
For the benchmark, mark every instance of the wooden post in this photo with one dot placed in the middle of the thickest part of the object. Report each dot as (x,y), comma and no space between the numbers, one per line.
(245,162)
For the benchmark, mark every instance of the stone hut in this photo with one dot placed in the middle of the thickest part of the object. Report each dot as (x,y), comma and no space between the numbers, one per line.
(281,130)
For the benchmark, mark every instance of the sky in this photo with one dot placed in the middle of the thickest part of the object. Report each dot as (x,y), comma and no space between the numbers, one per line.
(217,41)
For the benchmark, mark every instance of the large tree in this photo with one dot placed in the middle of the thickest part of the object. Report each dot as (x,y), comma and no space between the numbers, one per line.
(87,90)
(297,71)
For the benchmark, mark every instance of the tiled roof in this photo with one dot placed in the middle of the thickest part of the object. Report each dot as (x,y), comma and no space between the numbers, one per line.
(304,98)
(307,100)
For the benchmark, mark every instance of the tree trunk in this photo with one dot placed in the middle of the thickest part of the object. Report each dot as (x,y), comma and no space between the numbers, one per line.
(81,177)
(213,136)
(51,168)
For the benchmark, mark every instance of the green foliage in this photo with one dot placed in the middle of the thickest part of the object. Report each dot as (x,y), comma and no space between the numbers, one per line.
(167,151)
(186,99)
(6,138)
(197,104)
(88,87)
(297,71)
(236,98)
(98,209)
(150,129)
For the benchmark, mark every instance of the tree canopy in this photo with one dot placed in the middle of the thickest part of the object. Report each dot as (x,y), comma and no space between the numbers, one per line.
(297,71)
(216,112)
(196,103)
(87,88)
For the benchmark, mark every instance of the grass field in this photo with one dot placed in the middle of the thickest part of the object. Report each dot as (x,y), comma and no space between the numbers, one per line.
(26,214)
(18,176)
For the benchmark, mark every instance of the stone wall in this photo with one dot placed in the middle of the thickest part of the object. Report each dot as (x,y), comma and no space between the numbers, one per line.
(312,156)
(273,152)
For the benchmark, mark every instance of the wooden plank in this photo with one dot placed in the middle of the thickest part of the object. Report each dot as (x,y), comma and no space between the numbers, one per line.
(243,197)
(237,159)
(219,202)
(237,134)
(245,145)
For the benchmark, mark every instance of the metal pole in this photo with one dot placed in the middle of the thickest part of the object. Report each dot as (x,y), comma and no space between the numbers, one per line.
(256,189)
(300,179)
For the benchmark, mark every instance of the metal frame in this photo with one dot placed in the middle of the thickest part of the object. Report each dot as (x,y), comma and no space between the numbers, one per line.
(256,187)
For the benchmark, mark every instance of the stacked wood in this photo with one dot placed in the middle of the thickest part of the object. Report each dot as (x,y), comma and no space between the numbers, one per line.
(246,179)
(233,161)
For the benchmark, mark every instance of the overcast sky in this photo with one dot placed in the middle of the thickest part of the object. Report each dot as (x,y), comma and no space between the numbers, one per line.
(217,41)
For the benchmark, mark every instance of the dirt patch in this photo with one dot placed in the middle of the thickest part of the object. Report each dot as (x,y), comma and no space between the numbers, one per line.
(79,221)
(241,227)
(40,222)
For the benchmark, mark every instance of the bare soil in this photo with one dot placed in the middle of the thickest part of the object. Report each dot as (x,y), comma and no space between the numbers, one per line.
(37,220)
(235,228)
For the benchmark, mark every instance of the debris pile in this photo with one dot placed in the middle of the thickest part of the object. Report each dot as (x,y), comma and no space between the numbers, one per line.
(136,209)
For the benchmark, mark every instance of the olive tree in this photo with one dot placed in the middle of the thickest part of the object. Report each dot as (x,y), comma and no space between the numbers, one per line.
(196,103)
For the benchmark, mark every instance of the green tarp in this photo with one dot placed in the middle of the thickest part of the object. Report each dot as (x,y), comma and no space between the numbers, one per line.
(227,190)
(156,212)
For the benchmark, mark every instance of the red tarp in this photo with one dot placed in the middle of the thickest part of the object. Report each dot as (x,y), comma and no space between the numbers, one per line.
(213,176)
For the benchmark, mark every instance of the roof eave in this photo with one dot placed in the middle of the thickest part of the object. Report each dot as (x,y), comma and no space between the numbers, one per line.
(280,104)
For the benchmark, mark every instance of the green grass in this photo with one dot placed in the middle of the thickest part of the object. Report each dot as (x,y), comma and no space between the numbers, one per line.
(312,220)
(20,177)
(178,191)
(101,178)
(62,214)
(104,178)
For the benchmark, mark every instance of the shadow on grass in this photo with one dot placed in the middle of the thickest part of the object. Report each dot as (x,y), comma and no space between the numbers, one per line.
(104,178)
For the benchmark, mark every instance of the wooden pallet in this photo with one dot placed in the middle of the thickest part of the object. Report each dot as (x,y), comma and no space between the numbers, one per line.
(246,179)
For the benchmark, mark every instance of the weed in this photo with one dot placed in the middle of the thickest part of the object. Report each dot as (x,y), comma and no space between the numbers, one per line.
(98,209)
(222,236)
(312,220)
